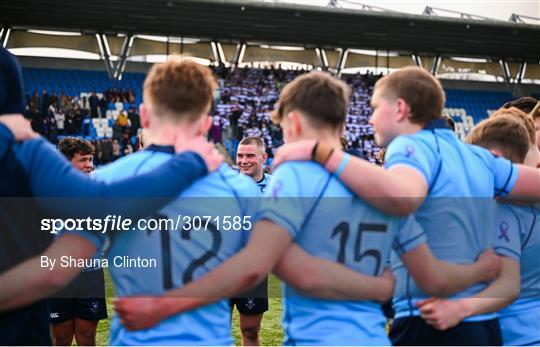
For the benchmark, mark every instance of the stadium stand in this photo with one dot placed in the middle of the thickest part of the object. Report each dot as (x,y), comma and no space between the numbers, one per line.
(242,105)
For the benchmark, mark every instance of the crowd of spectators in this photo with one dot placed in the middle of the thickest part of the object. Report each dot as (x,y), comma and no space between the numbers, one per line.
(247,95)
(53,115)
(242,108)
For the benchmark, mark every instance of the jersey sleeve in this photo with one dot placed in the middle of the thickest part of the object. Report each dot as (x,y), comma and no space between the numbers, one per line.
(96,238)
(50,175)
(282,203)
(505,174)
(409,151)
(506,233)
(6,139)
(410,235)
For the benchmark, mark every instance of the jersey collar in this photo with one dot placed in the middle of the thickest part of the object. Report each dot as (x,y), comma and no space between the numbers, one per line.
(163,149)
(439,123)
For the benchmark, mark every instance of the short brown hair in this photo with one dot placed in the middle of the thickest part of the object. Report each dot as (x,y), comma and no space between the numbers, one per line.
(322,98)
(519,115)
(180,87)
(535,113)
(252,140)
(69,146)
(504,133)
(420,90)
(525,104)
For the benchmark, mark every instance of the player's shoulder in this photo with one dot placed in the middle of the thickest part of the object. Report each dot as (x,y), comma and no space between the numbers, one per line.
(298,171)
(411,145)
(237,179)
(128,165)
(481,153)
(487,158)
(309,179)
(225,181)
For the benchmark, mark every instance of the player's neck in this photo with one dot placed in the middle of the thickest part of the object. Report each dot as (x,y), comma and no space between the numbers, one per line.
(408,128)
(169,135)
(321,135)
(258,177)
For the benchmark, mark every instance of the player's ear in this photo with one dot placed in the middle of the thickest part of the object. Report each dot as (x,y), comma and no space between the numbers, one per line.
(206,123)
(295,123)
(402,109)
(143,112)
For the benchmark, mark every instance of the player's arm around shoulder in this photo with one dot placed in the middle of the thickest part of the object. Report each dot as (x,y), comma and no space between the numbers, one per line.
(325,279)
(269,239)
(43,275)
(398,191)
(236,275)
(436,277)
(527,186)
(441,278)
(444,314)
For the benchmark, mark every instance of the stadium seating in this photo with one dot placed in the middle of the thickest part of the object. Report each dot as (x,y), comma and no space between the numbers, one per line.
(466,107)
(75,82)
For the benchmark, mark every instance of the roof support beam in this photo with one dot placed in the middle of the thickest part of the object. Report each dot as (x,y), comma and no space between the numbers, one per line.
(505,70)
(518,91)
(323,61)
(342,60)
(435,65)
(521,72)
(216,53)
(105,54)
(417,60)
(222,58)
(4,36)
(240,50)
(124,54)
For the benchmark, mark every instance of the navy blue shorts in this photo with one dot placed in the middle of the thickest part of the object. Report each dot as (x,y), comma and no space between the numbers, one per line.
(254,301)
(414,331)
(83,298)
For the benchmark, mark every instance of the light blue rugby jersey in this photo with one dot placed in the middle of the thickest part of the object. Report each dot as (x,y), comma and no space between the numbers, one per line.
(458,213)
(517,235)
(263,183)
(189,255)
(328,221)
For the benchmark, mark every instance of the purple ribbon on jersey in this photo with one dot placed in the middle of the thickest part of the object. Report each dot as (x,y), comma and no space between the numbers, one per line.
(277,188)
(503,227)
(409,151)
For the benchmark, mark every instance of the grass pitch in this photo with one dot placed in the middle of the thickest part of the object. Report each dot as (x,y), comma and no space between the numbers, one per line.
(271,332)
